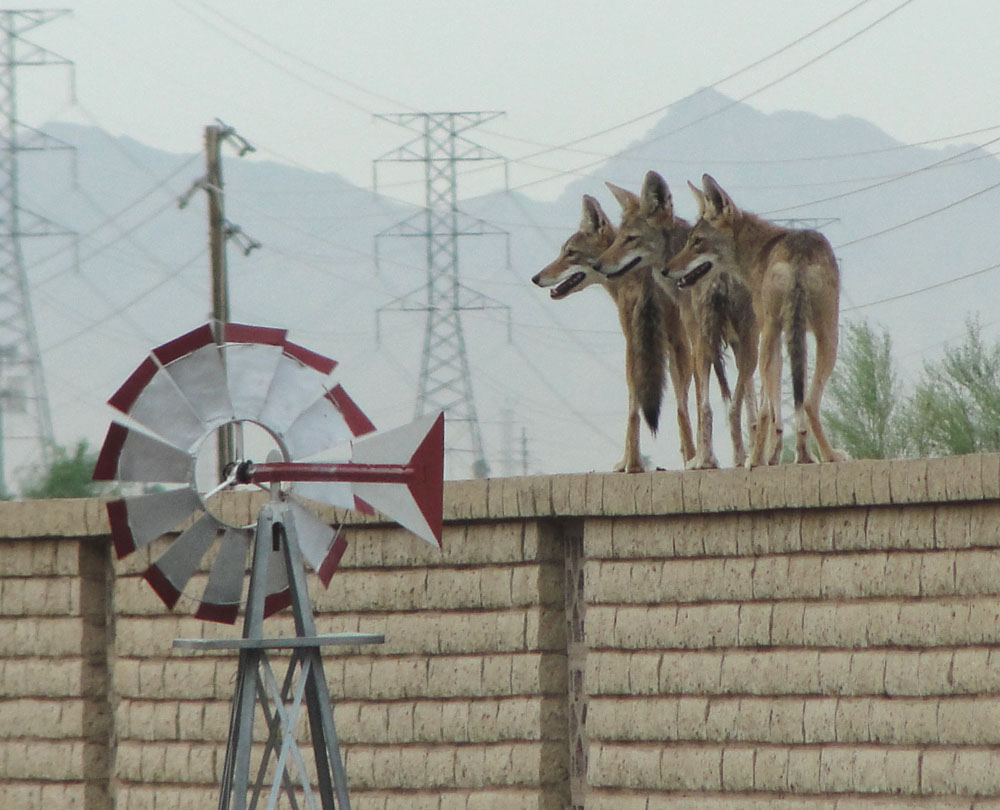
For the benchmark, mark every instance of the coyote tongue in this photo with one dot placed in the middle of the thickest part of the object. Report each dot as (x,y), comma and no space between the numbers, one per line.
(692,276)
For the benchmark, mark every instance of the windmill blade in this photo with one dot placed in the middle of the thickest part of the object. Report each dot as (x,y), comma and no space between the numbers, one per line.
(334,493)
(251,357)
(318,427)
(138,521)
(220,601)
(194,361)
(321,546)
(298,382)
(330,421)
(416,506)
(151,397)
(169,575)
(128,455)
(277,594)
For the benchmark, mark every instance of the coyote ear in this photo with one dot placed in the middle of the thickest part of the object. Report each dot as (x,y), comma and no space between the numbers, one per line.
(718,205)
(699,197)
(625,198)
(594,219)
(656,197)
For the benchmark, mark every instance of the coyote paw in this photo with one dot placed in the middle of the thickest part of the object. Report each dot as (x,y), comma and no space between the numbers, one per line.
(699,463)
(627,466)
(840,455)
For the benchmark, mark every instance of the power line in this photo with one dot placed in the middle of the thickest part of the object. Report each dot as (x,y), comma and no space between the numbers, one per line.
(295,57)
(663,108)
(895,178)
(733,102)
(928,215)
(929,287)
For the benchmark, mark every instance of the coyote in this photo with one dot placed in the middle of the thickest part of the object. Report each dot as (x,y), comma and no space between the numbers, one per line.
(714,314)
(795,283)
(650,323)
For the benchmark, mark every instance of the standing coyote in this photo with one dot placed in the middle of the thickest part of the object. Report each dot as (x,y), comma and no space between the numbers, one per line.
(650,323)
(714,314)
(795,283)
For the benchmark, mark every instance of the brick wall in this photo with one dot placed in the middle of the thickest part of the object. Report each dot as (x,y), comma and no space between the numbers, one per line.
(803,637)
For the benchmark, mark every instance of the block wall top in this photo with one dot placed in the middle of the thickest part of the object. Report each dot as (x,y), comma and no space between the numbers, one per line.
(861,483)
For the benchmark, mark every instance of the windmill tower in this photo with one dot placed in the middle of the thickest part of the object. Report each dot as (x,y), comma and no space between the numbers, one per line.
(445,381)
(26,429)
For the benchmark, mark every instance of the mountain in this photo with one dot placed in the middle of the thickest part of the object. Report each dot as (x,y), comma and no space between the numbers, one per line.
(550,372)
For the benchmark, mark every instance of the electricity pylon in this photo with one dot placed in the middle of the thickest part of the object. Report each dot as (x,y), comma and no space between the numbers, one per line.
(24,404)
(445,381)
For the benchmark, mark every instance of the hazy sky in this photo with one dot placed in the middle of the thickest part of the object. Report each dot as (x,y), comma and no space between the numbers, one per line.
(302,80)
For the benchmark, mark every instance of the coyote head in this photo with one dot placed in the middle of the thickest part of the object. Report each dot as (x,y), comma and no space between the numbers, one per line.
(643,238)
(572,271)
(711,244)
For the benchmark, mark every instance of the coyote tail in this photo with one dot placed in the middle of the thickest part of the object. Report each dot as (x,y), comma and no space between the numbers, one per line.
(651,353)
(720,374)
(797,341)
(718,306)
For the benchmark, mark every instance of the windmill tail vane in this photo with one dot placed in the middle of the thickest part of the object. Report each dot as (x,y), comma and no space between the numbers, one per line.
(188,388)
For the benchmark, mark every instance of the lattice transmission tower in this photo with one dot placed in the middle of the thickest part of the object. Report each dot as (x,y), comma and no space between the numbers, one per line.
(26,430)
(445,382)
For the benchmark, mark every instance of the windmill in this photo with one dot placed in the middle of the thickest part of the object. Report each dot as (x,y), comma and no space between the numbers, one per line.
(172,406)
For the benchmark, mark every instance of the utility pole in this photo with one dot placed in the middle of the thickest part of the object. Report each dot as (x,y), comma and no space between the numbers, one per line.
(220,230)
(216,229)
(25,418)
(445,381)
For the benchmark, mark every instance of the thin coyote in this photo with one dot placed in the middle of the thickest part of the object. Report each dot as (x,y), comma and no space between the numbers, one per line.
(795,282)
(714,314)
(650,323)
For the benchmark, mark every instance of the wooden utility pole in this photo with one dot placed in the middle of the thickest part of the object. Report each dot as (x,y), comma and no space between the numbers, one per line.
(220,279)
(219,231)
(216,227)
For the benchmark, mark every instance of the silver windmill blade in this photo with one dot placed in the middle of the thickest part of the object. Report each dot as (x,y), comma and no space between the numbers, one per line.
(321,546)
(298,382)
(194,362)
(352,422)
(151,398)
(138,521)
(169,575)
(318,427)
(129,455)
(251,355)
(277,594)
(331,421)
(220,601)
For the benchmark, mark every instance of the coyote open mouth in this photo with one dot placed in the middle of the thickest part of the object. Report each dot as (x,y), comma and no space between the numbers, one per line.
(623,270)
(564,288)
(692,276)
